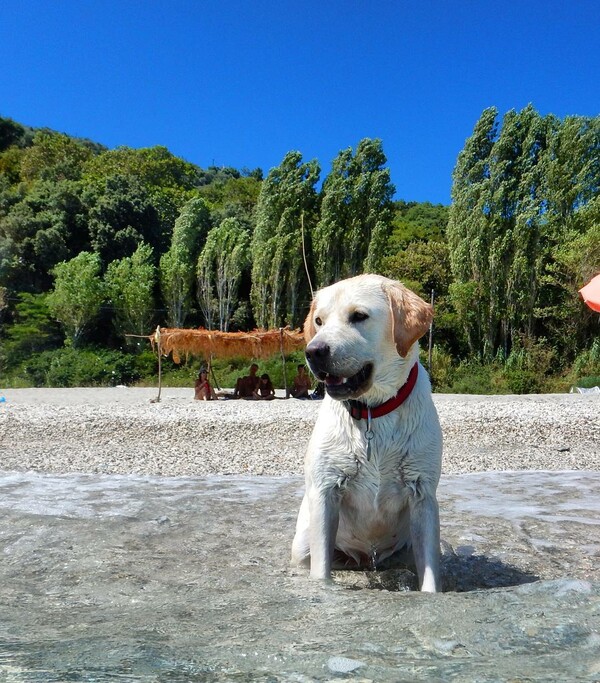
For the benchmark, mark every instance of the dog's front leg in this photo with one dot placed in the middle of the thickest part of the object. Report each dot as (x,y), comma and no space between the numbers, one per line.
(324,510)
(425,535)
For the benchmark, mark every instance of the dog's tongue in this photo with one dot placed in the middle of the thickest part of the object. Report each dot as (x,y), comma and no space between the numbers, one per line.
(332,379)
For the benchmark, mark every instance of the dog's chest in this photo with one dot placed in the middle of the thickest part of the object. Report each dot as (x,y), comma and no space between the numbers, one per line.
(379,481)
(370,467)
(389,464)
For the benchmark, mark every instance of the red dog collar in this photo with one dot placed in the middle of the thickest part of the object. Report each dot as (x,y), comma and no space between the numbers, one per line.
(360,411)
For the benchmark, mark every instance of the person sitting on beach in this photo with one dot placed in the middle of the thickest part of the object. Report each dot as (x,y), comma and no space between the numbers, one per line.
(202,389)
(245,386)
(265,390)
(301,384)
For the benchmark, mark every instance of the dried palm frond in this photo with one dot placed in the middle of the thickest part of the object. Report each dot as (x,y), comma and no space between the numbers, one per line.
(213,344)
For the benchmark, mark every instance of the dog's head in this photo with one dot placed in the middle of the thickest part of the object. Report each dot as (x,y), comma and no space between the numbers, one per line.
(360,332)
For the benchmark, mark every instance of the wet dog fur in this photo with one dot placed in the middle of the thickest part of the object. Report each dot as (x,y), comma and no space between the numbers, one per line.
(362,336)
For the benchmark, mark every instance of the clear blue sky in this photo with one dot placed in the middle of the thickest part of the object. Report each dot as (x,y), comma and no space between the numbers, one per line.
(241,83)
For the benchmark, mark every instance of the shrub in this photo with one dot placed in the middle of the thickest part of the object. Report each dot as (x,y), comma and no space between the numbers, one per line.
(589,382)
(523,381)
(441,370)
(146,364)
(473,378)
(70,367)
(527,366)
(588,362)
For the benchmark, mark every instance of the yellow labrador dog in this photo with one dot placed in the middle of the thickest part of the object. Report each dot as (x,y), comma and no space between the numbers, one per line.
(374,458)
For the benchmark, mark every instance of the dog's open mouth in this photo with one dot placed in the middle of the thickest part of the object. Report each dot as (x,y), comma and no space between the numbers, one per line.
(347,387)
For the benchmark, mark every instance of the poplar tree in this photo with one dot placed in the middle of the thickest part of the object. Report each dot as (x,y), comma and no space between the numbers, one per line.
(286,207)
(177,265)
(467,229)
(518,195)
(356,214)
(176,275)
(222,262)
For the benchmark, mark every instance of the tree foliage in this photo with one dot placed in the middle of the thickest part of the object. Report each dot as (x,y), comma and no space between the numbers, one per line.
(78,294)
(11,134)
(222,262)
(176,276)
(191,227)
(520,191)
(54,156)
(178,264)
(39,229)
(121,217)
(287,206)
(521,238)
(33,329)
(356,214)
(130,285)
(415,221)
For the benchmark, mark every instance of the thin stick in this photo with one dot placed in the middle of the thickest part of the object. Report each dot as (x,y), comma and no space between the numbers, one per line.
(212,372)
(157,337)
(431,335)
(283,361)
(312,291)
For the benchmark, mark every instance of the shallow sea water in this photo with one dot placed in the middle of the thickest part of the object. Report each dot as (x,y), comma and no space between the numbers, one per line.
(123,578)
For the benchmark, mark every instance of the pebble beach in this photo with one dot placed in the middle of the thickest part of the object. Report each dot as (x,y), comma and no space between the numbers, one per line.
(122,431)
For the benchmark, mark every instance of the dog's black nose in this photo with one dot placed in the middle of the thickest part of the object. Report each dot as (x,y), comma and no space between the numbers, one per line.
(316,352)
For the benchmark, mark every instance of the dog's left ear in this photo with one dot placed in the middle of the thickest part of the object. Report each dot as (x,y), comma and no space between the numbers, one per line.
(411,316)
(309,324)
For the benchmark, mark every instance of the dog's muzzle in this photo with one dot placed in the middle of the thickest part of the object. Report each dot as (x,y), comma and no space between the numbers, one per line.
(340,383)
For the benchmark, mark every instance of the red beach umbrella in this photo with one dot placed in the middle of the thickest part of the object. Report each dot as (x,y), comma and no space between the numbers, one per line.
(591,293)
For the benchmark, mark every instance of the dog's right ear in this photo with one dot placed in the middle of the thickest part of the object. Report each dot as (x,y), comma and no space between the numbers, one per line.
(309,324)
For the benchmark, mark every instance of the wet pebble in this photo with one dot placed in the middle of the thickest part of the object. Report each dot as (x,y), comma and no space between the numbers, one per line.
(343,665)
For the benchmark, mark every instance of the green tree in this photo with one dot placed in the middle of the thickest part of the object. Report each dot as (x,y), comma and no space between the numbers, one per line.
(176,275)
(192,227)
(10,165)
(11,134)
(518,195)
(39,229)
(467,229)
(178,264)
(414,221)
(222,262)
(356,214)
(168,181)
(286,209)
(54,156)
(78,294)
(424,267)
(130,284)
(514,246)
(121,217)
(154,167)
(577,260)
(232,198)
(3,303)
(32,330)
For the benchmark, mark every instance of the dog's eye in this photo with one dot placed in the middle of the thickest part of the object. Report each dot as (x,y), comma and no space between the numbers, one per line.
(358,317)
(318,322)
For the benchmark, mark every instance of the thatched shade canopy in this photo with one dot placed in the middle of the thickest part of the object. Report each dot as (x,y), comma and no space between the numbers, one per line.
(212,344)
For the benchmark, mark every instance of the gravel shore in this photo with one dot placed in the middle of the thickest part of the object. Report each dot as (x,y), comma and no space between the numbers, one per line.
(120,431)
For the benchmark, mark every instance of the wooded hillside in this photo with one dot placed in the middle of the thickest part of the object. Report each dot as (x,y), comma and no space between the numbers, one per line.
(98,243)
